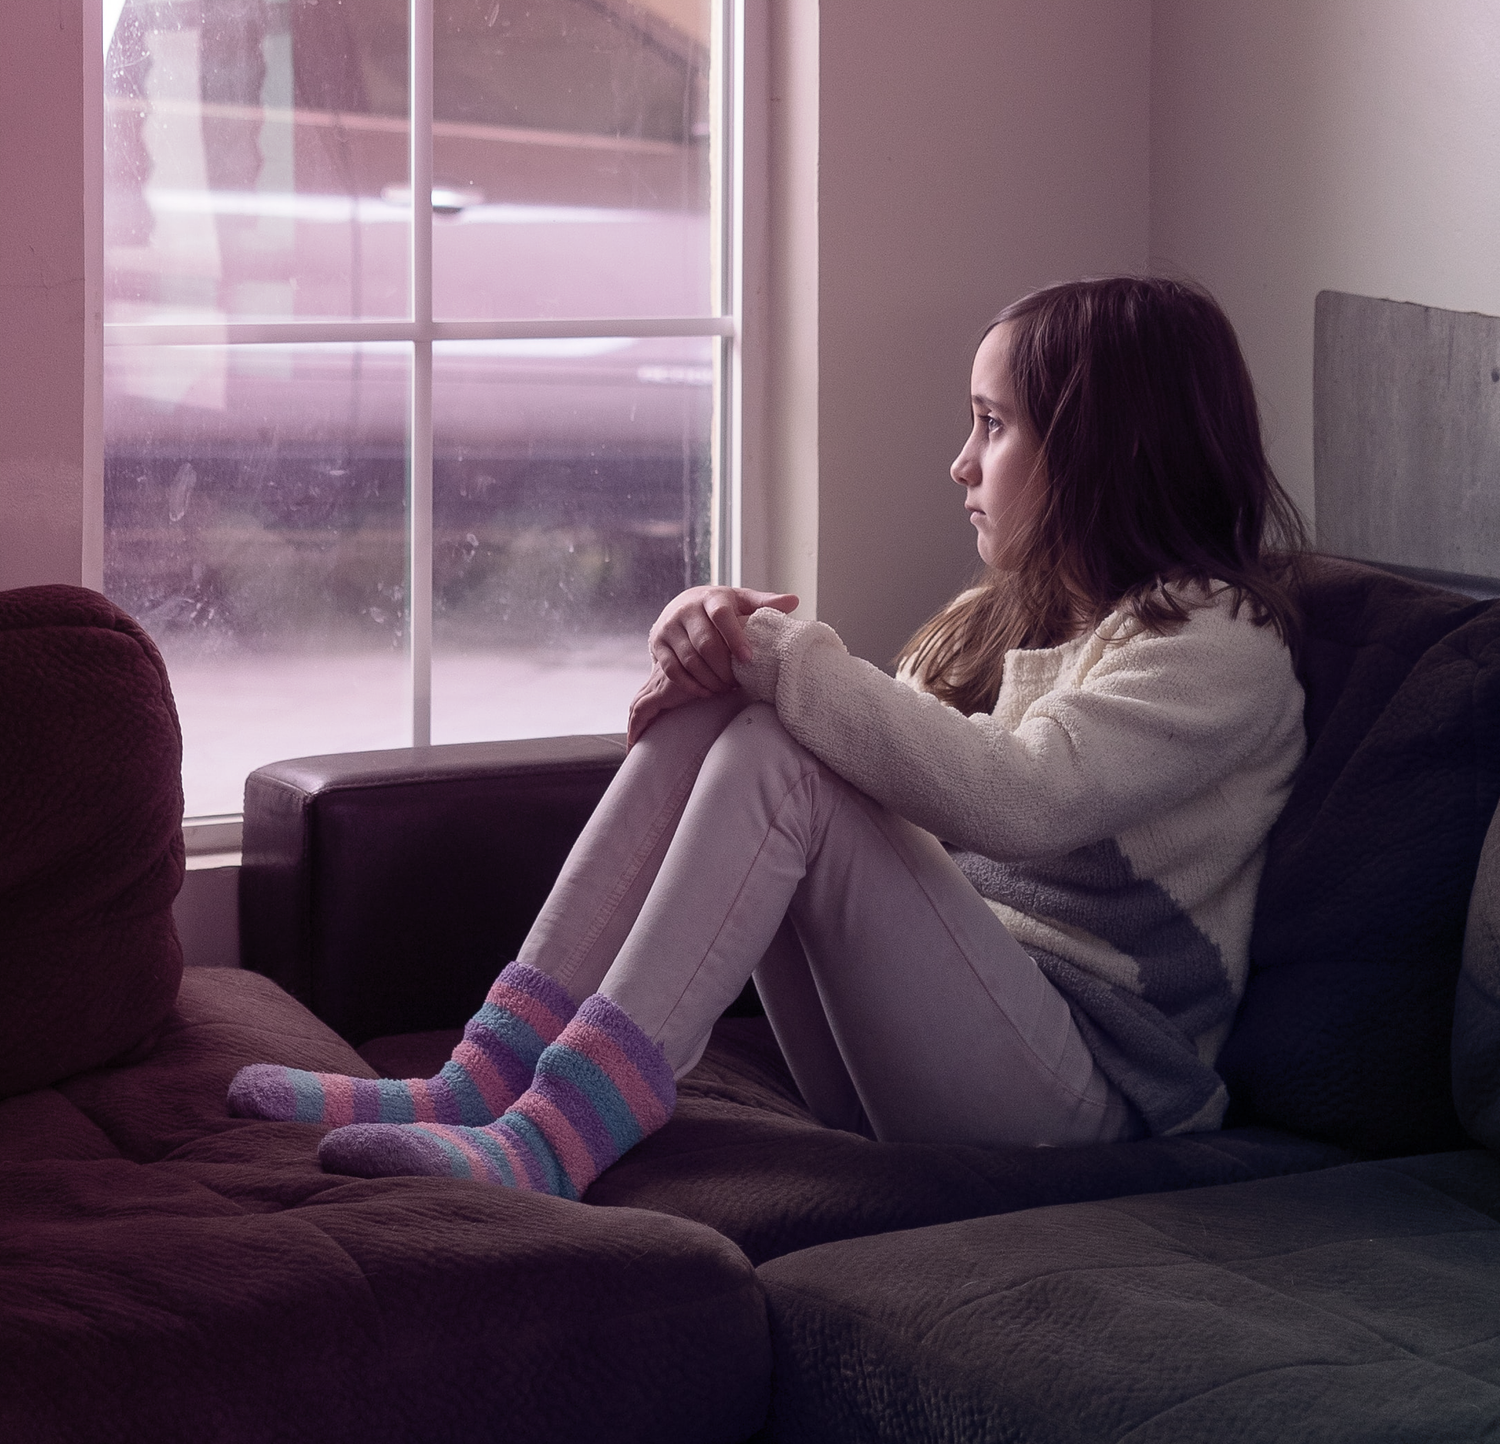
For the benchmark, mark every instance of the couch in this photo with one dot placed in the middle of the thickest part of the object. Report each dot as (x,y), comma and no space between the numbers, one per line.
(1320,1268)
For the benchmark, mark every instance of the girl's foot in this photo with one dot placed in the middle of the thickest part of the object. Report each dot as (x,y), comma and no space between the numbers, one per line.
(599,1089)
(489,1070)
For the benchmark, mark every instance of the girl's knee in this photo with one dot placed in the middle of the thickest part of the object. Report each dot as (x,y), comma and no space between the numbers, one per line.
(756,735)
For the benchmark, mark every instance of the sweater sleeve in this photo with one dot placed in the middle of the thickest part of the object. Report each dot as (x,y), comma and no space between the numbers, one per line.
(1153,721)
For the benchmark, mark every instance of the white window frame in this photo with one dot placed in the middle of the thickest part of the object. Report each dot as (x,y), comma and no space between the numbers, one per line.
(738,38)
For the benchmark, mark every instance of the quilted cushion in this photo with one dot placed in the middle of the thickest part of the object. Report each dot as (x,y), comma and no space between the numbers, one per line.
(91,819)
(171,1274)
(1345,1026)
(1476,1011)
(1353,1304)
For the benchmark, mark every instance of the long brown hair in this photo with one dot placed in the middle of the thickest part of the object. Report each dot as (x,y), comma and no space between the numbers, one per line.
(1154,473)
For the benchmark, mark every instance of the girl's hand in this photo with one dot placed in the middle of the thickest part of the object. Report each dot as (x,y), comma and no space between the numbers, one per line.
(658,695)
(698,636)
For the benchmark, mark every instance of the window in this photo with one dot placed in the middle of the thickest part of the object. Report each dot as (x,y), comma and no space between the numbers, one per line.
(378,474)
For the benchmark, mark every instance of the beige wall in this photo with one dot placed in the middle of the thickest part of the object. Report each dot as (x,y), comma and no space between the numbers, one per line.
(1350,145)
(42,301)
(966,152)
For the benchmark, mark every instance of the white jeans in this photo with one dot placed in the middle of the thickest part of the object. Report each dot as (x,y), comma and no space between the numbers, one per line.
(904,1008)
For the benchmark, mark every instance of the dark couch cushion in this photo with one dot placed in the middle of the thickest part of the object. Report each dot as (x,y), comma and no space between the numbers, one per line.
(91,814)
(1352,1304)
(170,1273)
(1476,1010)
(1344,1030)
(744,1155)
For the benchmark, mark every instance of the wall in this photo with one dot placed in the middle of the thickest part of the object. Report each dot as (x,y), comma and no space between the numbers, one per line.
(42,301)
(1352,145)
(967,152)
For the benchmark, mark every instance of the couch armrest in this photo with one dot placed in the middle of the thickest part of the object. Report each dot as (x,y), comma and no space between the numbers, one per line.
(386,889)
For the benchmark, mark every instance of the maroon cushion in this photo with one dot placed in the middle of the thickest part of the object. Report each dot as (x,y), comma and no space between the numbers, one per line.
(91,822)
(171,1274)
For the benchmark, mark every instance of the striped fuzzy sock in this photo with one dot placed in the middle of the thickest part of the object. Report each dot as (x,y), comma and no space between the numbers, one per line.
(489,1070)
(599,1089)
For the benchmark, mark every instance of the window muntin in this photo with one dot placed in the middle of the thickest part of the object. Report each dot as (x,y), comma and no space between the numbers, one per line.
(432,529)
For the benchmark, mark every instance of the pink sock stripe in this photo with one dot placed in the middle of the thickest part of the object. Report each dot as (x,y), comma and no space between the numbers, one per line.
(527,1170)
(541,1002)
(338,1098)
(572,1152)
(479,1165)
(531,1011)
(424,1108)
(495,1091)
(602,1050)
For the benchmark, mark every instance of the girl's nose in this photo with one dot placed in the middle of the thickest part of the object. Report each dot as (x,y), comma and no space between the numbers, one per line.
(963,470)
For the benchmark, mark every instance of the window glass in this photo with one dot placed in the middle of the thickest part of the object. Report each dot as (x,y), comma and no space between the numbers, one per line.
(570,159)
(255,517)
(255,161)
(571,493)
(261,497)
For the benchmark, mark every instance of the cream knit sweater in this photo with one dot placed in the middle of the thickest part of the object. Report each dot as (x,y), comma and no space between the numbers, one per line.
(1113,809)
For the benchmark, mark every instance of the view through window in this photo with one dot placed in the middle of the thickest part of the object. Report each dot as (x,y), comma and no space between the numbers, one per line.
(376,474)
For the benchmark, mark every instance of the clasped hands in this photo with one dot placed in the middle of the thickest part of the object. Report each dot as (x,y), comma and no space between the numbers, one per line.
(693,646)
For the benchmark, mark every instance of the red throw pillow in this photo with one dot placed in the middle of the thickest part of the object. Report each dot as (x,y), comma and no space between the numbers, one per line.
(90,835)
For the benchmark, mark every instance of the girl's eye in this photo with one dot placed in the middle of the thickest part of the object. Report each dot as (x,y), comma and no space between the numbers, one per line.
(992,424)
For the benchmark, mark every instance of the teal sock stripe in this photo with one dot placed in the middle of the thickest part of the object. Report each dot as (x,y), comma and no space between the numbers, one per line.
(516,1033)
(395,1102)
(465,1090)
(309,1095)
(485,1140)
(554,1177)
(598,1088)
(458,1161)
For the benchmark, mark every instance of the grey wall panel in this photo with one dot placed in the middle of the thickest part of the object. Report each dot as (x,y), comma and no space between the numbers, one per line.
(1406,434)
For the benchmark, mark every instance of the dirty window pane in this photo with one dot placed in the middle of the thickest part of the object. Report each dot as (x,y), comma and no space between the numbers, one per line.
(570,158)
(256,161)
(571,491)
(256,169)
(255,514)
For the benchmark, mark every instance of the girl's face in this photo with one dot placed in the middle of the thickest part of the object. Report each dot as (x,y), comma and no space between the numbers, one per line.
(1000,466)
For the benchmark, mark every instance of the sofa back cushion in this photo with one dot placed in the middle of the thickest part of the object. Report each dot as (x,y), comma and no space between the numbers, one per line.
(90,835)
(1344,1030)
(1476,1010)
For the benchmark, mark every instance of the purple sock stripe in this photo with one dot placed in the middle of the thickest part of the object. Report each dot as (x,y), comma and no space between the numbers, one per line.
(582,1140)
(578,1111)
(468,1142)
(488,1085)
(446,1105)
(545,1170)
(614,1113)
(641,1093)
(470,1100)
(569,1151)
(534,1013)
(537,987)
(459,1162)
(511,1044)
(524,1169)
(616,1024)
(509,1071)
(502,1170)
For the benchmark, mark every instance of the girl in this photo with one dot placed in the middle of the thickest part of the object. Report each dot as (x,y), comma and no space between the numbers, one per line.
(1101,733)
